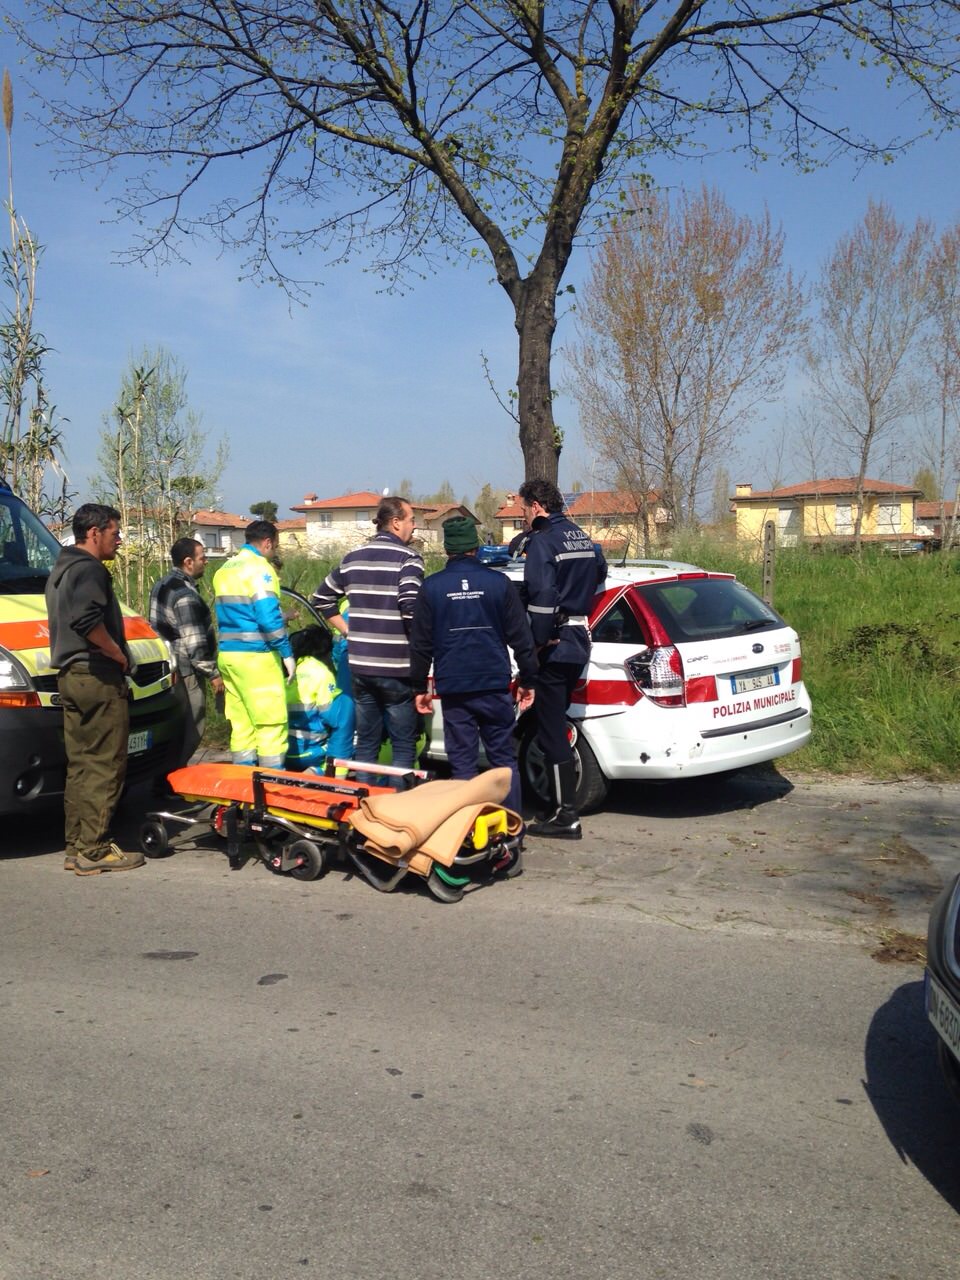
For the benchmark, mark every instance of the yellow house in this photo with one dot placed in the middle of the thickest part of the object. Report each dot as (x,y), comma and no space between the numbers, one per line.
(292,535)
(824,511)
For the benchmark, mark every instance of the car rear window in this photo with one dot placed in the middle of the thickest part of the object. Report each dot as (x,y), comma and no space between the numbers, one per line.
(619,625)
(707,608)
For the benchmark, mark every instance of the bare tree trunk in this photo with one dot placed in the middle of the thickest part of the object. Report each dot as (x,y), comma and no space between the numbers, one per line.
(536,323)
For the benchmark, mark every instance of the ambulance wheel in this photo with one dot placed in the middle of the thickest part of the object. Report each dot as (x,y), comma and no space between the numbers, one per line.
(442,889)
(154,840)
(311,855)
(592,784)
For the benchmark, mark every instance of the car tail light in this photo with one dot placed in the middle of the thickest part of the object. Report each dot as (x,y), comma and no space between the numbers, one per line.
(796,675)
(19,699)
(15,689)
(701,689)
(658,674)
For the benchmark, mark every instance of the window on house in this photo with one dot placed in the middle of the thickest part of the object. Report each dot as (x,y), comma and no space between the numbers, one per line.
(844,518)
(363,519)
(325,520)
(788,525)
(888,517)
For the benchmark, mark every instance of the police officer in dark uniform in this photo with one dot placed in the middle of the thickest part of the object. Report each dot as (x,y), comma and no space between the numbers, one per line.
(561,575)
(464,619)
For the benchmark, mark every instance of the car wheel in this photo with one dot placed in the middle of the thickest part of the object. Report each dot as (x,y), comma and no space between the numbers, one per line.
(592,784)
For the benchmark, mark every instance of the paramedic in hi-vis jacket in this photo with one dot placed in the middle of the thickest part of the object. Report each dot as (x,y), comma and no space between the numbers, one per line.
(561,575)
(255,657)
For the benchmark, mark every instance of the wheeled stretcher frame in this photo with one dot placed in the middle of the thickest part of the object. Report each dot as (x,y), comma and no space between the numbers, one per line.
(299,825)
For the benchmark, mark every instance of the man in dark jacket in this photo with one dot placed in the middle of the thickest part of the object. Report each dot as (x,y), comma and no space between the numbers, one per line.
(465,617)
(179,613)
(561,575)
(89,652)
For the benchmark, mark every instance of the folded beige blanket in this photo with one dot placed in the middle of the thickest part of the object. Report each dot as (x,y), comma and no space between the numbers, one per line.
(432,820)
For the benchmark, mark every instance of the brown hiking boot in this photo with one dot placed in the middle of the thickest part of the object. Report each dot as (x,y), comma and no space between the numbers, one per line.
(115,859)
(70,862)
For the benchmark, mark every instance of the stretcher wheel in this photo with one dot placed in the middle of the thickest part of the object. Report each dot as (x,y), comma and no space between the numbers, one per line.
(515,866)
(440,886)
(312,855)
(154,840)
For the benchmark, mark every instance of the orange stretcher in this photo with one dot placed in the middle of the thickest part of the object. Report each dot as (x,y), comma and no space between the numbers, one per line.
(454,835)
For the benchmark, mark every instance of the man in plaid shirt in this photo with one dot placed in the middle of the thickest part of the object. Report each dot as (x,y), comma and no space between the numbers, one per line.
(180,615)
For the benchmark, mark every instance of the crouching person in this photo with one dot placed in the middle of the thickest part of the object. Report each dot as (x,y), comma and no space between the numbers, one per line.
(321,715)
(464,619)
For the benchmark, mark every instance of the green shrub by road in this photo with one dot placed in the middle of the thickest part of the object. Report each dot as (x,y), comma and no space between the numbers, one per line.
(881,654)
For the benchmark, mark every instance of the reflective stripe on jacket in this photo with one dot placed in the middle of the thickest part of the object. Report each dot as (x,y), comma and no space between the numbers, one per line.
(247,592)
(561,574)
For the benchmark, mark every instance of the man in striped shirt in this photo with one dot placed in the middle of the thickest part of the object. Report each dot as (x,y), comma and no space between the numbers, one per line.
(380,582)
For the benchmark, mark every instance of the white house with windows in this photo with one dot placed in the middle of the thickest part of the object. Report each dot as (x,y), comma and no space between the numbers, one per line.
(220,532)
(347,521)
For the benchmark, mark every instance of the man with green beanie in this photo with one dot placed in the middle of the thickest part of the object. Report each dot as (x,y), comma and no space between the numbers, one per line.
(466,620)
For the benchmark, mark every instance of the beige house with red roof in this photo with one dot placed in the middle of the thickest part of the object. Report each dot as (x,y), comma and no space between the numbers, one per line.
(824,511)
(347,521)
(220,532)
(937,520)
(607,516)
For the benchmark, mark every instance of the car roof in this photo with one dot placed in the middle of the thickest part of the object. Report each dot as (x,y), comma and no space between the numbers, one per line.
(622,574)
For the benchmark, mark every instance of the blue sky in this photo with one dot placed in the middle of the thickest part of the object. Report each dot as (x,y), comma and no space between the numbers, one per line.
(360,389)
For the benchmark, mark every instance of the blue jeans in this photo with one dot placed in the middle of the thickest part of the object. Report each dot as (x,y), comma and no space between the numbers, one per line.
(385,702)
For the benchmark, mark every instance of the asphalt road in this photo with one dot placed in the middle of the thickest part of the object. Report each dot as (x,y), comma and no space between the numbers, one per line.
(668,1050)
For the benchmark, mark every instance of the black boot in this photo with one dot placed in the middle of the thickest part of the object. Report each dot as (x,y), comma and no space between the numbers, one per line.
(564,824)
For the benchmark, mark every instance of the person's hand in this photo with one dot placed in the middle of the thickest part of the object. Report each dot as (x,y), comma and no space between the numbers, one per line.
(216,684)
(524,698)
(290,667)
(423,703)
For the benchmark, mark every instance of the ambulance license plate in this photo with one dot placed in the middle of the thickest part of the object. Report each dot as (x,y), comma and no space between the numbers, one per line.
(138,742)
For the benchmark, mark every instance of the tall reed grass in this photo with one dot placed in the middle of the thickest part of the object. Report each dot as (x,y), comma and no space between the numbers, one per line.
(881,653)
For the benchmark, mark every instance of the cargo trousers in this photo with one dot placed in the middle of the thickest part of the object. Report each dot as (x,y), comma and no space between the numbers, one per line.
(190,691)
(96,727)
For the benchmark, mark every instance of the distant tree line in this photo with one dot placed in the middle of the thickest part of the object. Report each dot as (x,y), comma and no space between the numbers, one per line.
(690,321)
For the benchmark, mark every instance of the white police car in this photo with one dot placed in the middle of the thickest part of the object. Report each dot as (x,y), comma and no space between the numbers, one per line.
(690,674)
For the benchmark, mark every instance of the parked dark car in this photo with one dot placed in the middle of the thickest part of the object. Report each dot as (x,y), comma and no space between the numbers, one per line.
(942,984)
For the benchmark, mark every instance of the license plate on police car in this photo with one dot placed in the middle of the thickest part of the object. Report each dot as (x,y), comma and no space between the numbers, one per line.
(751,680)
(944,1014)
(138,742)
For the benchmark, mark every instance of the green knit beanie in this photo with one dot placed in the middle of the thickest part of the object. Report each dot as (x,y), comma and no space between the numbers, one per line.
(460,535)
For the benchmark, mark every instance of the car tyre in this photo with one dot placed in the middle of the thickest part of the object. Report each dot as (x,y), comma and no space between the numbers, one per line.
(592,784)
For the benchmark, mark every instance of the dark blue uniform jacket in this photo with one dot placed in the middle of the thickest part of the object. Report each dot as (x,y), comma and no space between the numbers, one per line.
(464,618)
(561,575)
